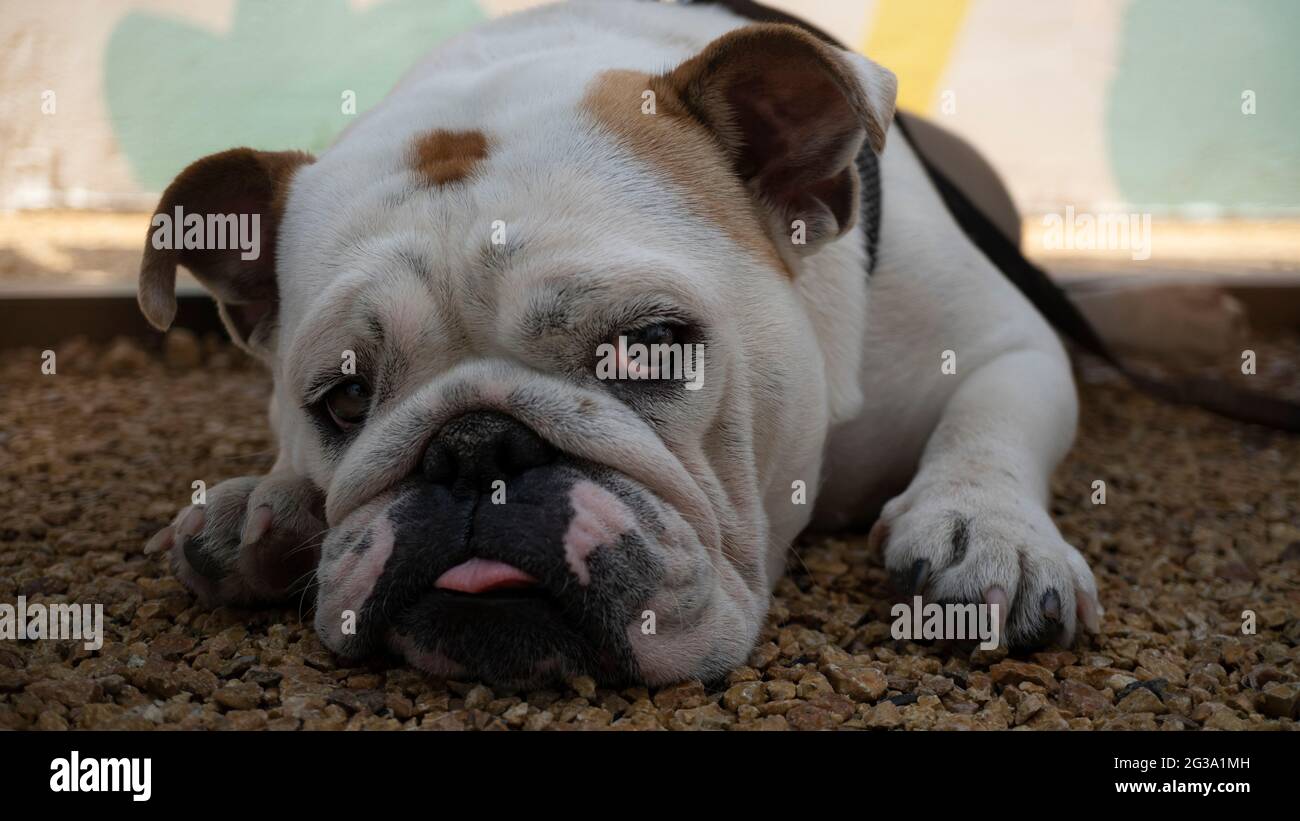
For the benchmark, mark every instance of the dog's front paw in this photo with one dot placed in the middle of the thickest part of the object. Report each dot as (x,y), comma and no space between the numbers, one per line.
(960,542)
(255,541)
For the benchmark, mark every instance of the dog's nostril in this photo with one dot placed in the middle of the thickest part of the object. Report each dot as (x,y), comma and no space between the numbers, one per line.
(522,449)
(439,464)
(481,447)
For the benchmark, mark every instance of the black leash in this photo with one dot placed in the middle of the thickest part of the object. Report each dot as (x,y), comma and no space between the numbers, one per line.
(1045,295)
(1053,303)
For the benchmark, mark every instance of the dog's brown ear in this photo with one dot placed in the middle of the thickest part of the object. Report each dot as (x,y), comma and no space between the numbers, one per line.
(219,218)
(792,113)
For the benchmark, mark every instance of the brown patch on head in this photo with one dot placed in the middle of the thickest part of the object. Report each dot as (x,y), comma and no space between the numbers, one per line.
(442,157)
(673,140)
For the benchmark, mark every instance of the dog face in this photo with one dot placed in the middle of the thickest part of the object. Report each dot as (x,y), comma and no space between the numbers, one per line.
(435,316)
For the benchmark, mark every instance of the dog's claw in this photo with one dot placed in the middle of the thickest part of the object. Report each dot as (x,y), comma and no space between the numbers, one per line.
(915,579)
(920,574)
(257,525)
(1051,604)
(878,536)
(996,595)
(190,524)
(1088,611)
(161,542)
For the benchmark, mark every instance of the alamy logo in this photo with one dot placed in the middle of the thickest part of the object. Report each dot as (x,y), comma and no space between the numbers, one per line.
(57,622)
(179,231)
(1092,232)
(75,774)
(951,621)
(676,361)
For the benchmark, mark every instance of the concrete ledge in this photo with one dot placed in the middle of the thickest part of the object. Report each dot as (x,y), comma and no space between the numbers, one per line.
(41,319)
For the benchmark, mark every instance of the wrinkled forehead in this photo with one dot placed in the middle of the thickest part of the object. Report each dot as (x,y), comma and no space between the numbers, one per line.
(402,299)
(507,273)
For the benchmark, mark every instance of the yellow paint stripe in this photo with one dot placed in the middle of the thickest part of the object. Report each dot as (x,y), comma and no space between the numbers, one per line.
(914,39)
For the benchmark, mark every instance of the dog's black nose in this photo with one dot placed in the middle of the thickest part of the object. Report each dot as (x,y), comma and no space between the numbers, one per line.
(481,447)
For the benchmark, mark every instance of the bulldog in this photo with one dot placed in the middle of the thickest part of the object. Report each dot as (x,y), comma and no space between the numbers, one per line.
(457,484)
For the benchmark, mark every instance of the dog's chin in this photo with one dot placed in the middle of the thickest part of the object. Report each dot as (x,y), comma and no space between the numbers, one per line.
(509,638)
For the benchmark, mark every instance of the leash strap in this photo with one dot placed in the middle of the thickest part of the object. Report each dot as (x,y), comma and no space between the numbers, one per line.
(1211,394)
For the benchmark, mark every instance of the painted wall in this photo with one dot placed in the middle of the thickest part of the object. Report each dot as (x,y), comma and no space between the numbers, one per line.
(1183,107)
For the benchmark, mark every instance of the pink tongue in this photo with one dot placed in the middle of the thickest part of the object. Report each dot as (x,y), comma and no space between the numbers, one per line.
(482,575)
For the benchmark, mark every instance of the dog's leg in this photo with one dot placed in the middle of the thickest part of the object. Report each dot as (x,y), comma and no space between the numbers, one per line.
(973,525)
(255,541)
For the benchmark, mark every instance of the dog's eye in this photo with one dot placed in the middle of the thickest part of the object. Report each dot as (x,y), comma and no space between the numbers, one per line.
(348,403)
(661,333)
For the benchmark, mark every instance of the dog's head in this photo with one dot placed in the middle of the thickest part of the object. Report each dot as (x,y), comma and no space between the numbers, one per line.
(442,308)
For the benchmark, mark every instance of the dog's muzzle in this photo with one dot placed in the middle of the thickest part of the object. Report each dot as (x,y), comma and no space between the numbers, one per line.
(500,558)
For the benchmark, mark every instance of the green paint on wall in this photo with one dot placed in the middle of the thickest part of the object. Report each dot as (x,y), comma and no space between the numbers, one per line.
(275,81)
(1177,135)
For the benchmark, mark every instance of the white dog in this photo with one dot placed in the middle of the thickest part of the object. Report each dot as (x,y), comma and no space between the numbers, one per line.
(468,490)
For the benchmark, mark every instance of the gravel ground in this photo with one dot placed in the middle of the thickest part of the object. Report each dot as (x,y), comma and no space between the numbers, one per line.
(1201,522)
